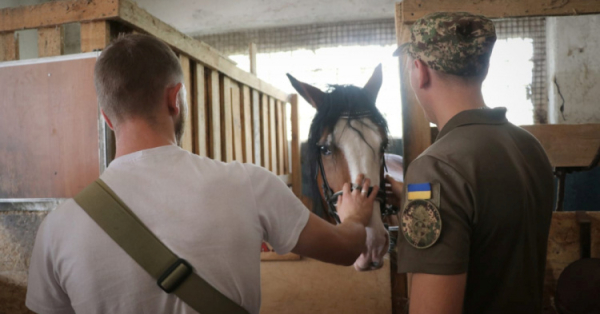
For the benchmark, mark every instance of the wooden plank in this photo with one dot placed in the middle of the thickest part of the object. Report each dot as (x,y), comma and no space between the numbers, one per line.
(280,137)
(226,120)
(236,106)
(415,127)
(415,9)
(49,139)
(286,149)
(56,13)
(247,118)
(264,131)
(273,137)
(187,141)
(252,54)
(256,114)
(140,19)
(199,96)
(51,41)
(296,170)
(568,145)
(214,122)
(9,46)
(94,35)
(272,256)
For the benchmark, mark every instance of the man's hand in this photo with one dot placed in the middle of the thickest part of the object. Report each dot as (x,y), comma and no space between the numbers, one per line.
(357,205)
(393,191)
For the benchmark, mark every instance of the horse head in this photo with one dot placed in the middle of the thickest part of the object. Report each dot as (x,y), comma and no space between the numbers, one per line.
(348,136)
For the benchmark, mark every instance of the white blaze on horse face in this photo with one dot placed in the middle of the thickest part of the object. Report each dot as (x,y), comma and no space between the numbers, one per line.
(363,156)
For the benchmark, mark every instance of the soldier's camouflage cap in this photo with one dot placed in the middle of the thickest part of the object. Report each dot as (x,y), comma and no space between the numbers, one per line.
(457,43)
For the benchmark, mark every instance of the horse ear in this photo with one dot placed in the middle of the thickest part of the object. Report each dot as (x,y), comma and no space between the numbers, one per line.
(374,84)
(313,95)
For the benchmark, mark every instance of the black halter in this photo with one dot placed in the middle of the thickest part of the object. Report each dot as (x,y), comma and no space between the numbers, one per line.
(331,197)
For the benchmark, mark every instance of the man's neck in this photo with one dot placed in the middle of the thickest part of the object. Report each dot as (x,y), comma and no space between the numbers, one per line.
(456,101)
(137,135)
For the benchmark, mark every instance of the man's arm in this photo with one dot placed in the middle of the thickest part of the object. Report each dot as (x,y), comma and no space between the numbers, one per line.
(433,294)
(341,244)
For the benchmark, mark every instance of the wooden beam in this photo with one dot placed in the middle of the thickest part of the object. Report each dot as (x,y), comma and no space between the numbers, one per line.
(226,120)
(187,141)
(236,111)
(214,103)
(568,145)
(286,156)
(264,131)
(94,35)
(280,138)
(252,54)
(273,137)
(296,170)
(9,46)
(140,19)
(56,13)
(51,41)
(415,9)
(256,114)
(201,125)
(247,118)
(416,133)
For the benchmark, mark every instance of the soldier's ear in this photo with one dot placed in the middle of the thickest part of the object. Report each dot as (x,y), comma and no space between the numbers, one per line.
(311,94)
(422,72)
(374,84)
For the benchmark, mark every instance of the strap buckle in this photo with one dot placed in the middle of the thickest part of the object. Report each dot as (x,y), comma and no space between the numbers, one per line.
(175,275)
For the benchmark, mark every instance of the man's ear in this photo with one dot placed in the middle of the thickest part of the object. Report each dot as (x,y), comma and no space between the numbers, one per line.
(172,103)
(311,94)
(374,84)
(423,73)
(110,125)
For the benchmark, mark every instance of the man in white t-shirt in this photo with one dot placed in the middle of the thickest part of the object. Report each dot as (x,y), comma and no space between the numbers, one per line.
(212,214)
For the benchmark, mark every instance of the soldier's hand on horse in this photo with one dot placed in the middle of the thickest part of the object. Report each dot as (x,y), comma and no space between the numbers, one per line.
(357,204)
(393,191)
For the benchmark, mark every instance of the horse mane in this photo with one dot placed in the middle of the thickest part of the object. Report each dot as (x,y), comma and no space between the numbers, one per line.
(347,100)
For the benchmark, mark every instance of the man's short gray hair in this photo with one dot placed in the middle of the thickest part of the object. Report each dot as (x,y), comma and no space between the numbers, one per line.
(131,75)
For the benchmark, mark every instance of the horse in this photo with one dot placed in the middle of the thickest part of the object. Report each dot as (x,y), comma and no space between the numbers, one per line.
(348,136)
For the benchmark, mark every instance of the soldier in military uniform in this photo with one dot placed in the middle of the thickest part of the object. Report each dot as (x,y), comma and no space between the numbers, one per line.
(478,202)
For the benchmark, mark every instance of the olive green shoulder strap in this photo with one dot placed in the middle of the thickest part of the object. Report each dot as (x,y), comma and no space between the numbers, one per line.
(172,274)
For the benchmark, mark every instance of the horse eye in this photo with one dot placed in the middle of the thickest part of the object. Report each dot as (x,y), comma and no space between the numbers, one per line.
(325,151)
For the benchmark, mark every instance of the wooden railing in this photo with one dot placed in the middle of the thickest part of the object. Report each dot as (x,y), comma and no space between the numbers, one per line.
(234,115)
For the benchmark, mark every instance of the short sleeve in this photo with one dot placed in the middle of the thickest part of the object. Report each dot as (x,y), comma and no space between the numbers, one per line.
(44,292)
(450,253)
(282,215)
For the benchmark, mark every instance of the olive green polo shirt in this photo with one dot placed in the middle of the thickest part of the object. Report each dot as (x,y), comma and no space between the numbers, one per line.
(491,184)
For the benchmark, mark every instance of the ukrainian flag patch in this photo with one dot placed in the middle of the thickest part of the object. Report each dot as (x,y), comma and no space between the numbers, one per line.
(419,191)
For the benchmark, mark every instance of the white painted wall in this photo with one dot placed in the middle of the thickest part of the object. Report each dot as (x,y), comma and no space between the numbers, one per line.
(573,58)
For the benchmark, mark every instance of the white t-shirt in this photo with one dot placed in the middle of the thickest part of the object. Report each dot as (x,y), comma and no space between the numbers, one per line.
(212,214)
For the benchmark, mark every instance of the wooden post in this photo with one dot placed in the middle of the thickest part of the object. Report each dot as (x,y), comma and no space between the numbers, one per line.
(247,117)
(256,114)
(273,137)
(94,35)
(51,41)
(187,141)
(226,119)
(214,98)
(296,171)
(200,105)
(252,58)
(9,46)
(286,157)
(264,131)
(280,138)
(238,150)
(416,133)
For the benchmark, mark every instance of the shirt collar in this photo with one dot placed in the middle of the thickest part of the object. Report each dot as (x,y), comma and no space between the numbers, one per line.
(474,116)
